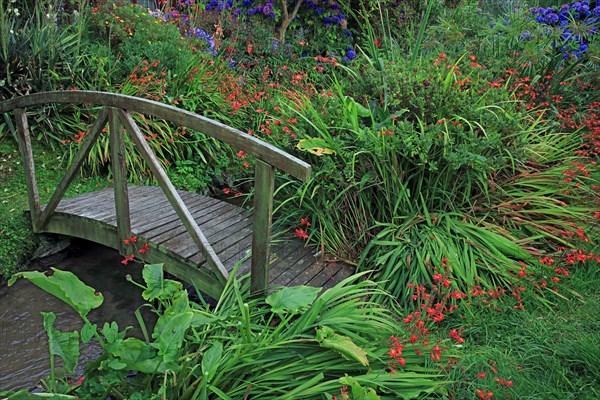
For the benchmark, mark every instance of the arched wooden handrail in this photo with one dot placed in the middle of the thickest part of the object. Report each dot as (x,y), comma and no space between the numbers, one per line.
(116,112)
(240,140)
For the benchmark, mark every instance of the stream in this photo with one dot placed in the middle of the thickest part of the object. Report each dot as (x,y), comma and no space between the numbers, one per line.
(24,356)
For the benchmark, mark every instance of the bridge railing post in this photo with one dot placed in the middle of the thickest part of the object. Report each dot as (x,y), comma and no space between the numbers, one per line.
(24,140)
(119,169)
(264,185)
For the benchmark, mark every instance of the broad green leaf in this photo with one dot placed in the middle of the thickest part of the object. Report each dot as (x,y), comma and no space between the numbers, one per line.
(328,339)
(66,286)
(138,355)
(211,360)
(87,332)
(360,110)
(294,300)
(202,318)
(116,364)
(62,344)
(156,286)
(169,334)
(110,331)
(316,146)
(359,392)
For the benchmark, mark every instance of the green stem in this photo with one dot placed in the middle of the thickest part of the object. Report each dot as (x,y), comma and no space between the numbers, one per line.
(417,49)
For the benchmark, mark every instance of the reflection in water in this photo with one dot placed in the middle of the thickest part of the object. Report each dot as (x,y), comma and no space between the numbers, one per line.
(23,342)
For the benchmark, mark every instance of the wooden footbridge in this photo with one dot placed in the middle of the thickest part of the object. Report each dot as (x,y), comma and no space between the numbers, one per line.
(199,239)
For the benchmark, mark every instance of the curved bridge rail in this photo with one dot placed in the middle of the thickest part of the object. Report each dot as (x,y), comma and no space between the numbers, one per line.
(116,111)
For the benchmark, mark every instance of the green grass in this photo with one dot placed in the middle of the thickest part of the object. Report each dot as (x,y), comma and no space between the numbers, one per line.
(17,241)
(548,353)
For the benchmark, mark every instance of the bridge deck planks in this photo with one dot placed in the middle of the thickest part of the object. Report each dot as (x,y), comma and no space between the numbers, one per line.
(227,227)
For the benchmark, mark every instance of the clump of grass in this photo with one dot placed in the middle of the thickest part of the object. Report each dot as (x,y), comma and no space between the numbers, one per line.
(547,353)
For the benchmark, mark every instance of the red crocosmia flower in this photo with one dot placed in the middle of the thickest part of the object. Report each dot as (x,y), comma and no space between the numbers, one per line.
(455,335)
(304,221)
(226,191)
(436,352)
(446,283)
(126,260)
(483,395)
(437,277)
(481,375)
(241,154)
(144,248)
(301,234)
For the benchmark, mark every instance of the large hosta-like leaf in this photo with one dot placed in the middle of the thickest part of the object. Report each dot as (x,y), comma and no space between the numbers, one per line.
(292,300)
(66,286)
(328,339)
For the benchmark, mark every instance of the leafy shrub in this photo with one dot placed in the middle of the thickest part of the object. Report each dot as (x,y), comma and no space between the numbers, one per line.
(40,47)
(240,347)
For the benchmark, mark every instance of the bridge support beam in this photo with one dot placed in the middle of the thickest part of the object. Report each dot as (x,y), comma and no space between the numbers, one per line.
(24,140)
(119,168)
(264,184)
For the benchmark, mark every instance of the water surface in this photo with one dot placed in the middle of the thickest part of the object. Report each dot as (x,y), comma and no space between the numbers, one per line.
(23,341)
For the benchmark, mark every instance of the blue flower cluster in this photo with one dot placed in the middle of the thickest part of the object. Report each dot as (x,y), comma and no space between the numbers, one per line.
(350,54)
(183,22)
(331,16)
(266,9)
(219,5)
(575,42)
(202,35)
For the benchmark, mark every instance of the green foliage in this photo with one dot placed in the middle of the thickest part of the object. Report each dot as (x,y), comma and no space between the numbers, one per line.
(62,344)
(542,353)
(197,352)
(135,35)
(66,287)
(294,300)
(41,47)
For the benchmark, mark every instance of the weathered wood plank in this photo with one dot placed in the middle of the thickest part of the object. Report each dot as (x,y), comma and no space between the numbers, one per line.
(103,200)
(278,251)
(223,239)
(160,175)
(293,270)
(282,260)
(202,213)
(24,142)
(119,169)
(158,209)
(87,229)
(264,184)
(325,275)
(83,199)
(305,275)
(231,249)
(342,274)
(168,218)
(72,169)
(181,243)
